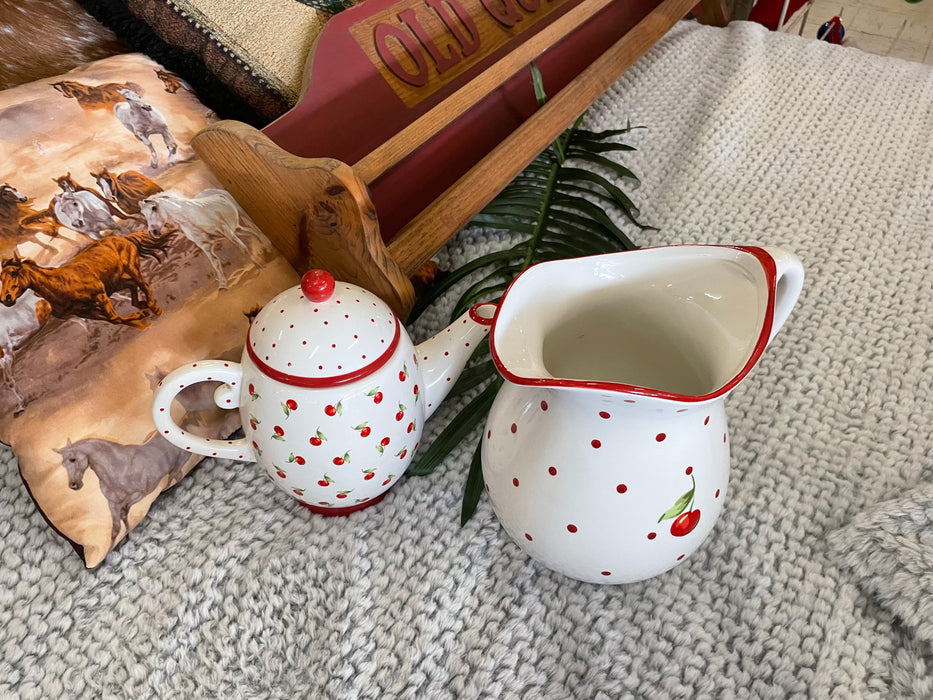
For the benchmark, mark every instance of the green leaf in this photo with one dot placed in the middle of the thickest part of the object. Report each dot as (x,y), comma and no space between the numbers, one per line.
(473,376)
(679,506)
(599,146)
(427,299)
(596,159)
(451,436)
(474,487)
(587,207)
(537,81)
(480,292)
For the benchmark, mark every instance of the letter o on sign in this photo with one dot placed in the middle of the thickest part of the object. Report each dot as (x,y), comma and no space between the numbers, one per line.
(410,46)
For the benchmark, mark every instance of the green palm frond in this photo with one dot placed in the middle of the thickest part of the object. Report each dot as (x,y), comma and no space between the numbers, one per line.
(562,206)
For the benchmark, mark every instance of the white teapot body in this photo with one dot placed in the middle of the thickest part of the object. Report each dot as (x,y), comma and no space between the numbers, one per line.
(332,393)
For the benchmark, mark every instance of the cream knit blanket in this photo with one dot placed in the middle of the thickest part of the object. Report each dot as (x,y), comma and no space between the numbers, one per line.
(816,581)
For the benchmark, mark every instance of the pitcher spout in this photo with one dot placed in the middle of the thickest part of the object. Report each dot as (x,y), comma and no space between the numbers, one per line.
(681,323)
(443,357)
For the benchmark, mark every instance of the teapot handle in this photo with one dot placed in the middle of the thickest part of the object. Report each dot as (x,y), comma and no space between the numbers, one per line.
(787,286)
(225,396)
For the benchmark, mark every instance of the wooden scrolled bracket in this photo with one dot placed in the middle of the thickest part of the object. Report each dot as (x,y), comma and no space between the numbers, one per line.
(316,211)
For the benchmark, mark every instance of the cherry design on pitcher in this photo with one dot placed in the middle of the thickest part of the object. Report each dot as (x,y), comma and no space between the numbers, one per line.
(289,406)
(685,518)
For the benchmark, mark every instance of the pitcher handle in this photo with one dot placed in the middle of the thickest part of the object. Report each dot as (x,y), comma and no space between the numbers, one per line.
(225,396)
(787,285)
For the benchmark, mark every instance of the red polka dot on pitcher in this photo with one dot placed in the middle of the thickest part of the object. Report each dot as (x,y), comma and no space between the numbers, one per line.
(717,494)
(514,428)
(544,405)
(706,422)
(621,488)
(652,535)
(552,471)
(571,528)
(604,415)
(596,444)
(515,482)
(660,437)
(529,537)
(606,573)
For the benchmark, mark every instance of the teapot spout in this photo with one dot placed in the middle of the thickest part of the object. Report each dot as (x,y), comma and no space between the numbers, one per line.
(443,357)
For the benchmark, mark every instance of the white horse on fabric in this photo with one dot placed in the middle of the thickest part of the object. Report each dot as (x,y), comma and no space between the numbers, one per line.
(81,211)
(143,120)
(207,219)
(19,322)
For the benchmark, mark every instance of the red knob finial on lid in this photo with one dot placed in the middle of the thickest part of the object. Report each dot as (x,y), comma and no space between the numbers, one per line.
(317,285)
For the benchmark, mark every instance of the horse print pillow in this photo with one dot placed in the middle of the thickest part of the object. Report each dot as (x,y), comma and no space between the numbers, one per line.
(121,259)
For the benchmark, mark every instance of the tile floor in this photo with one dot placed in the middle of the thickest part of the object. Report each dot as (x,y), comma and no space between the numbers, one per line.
(886,27)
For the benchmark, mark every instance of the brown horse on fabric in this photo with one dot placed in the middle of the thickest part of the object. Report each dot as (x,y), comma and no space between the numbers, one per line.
(20,223)
(83,286)
(171,82)
(91,97)
(126,473)
(126,189)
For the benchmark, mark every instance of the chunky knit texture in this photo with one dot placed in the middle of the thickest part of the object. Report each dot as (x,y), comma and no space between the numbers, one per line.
(816,580)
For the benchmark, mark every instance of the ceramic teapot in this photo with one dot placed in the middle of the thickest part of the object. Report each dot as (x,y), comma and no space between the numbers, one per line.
(606,451)
(332,393)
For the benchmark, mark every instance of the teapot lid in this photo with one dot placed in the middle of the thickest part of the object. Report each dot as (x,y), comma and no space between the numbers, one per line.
(322,333)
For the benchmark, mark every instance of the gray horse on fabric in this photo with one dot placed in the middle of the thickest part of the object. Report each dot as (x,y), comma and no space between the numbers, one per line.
(127,473)
(143,120)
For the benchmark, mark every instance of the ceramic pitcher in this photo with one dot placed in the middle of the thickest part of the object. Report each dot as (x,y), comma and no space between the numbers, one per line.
(606,452)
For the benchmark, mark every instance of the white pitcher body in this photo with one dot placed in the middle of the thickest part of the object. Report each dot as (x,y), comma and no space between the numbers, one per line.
(581,482)
(606,452)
